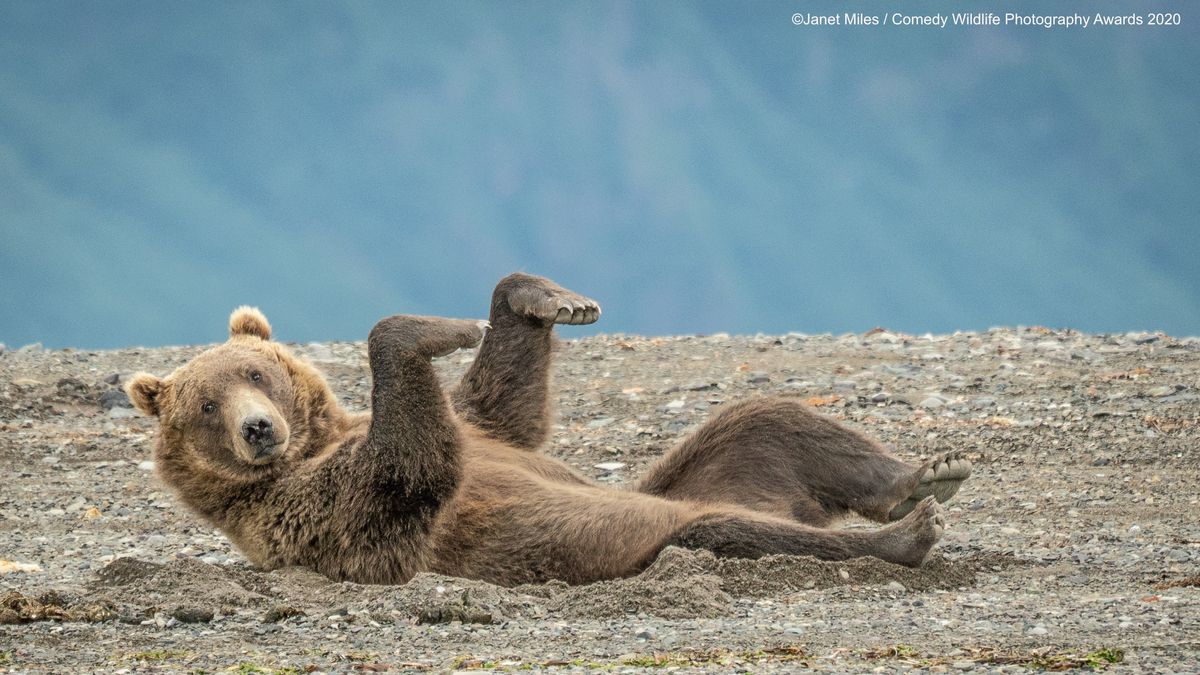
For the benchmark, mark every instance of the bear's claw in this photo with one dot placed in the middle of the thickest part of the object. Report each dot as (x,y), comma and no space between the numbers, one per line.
(941,478)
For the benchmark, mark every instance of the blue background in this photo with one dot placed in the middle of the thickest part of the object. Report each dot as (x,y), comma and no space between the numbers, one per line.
(696,166)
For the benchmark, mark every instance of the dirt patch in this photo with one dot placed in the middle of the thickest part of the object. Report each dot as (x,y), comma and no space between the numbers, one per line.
(680,584)
(781,573)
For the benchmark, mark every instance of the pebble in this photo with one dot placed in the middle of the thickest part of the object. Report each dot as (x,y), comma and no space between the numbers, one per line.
(932,402)
(280,612)
(185,614)
(115,398)
(609,466)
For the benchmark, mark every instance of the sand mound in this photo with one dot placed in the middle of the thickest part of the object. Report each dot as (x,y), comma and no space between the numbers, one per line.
(680,584)
(148,586)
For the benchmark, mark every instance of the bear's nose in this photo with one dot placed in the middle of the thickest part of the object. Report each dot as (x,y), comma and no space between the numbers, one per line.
(258,431)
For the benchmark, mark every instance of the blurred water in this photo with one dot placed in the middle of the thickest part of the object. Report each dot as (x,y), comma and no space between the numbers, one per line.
(697,167)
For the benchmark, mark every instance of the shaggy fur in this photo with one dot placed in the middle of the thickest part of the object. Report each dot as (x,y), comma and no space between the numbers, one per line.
(253,440)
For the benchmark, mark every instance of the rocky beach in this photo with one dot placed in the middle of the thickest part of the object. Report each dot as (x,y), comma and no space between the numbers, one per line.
(1074,545)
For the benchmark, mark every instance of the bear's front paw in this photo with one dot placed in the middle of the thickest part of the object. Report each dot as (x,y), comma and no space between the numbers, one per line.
(464,334)
(426,335)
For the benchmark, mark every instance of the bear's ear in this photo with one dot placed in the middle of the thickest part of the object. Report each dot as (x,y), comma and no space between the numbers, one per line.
(143,390)
(249,321)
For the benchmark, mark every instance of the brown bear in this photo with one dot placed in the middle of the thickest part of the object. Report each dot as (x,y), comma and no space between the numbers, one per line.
(254,441)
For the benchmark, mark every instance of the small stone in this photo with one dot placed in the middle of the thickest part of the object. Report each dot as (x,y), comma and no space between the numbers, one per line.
(185,614)
(879,397)
(599,423)
(645,634)
(677,404)
(609,466)
(843,574)
(146,465)
(758,378)
(71,386)
(50,459)
(280,612)
(932,402)
(895,587)
(113,378)
(115,398)
(453,612)
(1038,630)
(122,413)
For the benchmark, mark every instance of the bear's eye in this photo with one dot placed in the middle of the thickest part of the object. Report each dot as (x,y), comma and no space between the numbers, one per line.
(256,376)
(209,408)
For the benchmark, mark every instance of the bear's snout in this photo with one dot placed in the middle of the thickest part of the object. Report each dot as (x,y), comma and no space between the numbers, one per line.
(258,431)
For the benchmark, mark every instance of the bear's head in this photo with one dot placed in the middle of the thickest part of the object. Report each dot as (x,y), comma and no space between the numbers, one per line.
(238,410)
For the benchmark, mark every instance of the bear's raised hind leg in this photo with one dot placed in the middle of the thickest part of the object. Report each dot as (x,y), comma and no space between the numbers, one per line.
(505,392)
(780,457)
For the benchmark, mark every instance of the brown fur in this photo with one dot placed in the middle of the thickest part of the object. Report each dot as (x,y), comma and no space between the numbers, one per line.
(448,483)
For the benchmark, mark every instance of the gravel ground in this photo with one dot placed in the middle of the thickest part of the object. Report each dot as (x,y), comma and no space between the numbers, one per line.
(1076,543)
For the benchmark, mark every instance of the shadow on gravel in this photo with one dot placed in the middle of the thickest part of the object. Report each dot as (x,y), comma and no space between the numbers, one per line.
(680,584)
